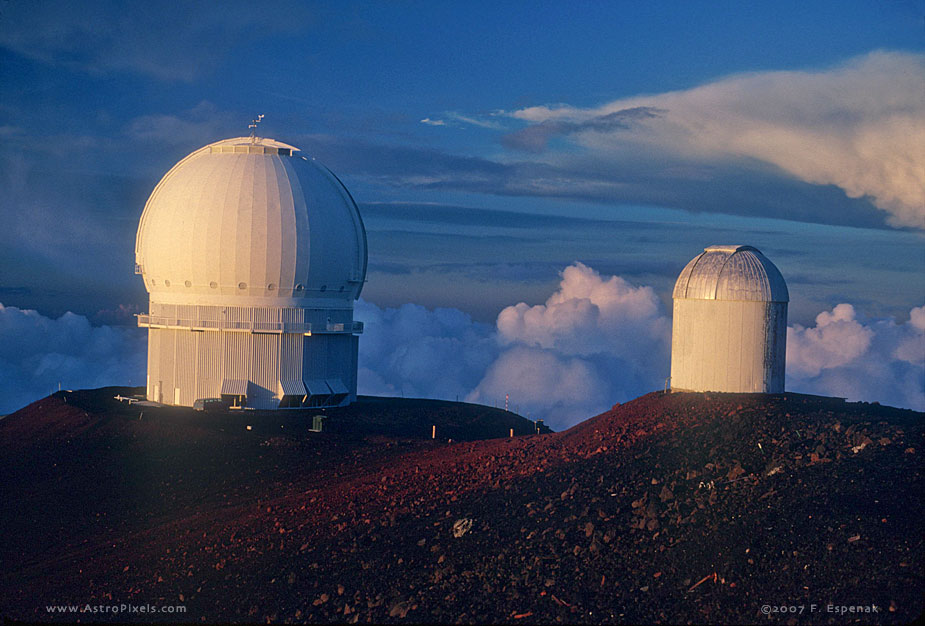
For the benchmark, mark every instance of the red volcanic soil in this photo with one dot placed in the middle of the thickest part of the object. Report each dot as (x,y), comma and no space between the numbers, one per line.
(681,508)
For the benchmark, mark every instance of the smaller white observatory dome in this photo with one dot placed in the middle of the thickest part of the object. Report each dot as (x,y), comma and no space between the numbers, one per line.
(729,330)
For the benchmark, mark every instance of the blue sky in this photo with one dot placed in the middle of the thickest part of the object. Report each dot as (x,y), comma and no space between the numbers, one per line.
(490,145)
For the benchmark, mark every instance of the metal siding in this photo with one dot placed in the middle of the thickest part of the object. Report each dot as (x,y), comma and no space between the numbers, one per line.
(728,346)
(154,361)
(264,367)
(235,355)
(352,373)
(315,357)
(168,364)
(290,356)
(186,366)
(209,362)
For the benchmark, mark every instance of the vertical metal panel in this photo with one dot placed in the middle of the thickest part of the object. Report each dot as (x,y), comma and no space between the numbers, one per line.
(352,379)
(154,361)
(264,366)
(731,346)
(236,355)
(209,364)
(168,363)
(314,359)
(197,361)
(290,356)
(186,366)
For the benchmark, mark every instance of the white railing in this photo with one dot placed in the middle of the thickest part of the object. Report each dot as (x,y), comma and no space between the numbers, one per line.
(163,321)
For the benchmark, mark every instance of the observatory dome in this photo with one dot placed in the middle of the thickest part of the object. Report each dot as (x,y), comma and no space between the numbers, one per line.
(253,256)
(249,221)
(729,328)
(731,273)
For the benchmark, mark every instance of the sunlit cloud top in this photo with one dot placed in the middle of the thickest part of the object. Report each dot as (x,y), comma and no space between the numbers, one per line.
(859,126)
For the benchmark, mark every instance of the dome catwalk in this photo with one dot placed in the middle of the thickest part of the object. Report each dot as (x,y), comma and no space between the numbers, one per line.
(253,256)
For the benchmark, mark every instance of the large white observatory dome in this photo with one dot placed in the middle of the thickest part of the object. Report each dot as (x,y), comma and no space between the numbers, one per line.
(729,329)
(252,220)
(253,256)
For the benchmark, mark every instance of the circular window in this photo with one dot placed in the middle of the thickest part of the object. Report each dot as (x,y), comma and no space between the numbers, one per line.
(213,284)
(324,287)
(188,283)
(299,287)
(271,286)
(167,283)
(242,285)
(341,289)
(153,282)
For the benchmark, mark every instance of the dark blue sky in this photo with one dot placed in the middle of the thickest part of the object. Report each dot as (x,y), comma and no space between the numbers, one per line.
(490,143)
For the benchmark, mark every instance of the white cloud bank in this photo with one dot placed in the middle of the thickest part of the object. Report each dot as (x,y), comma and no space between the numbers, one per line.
(877,360)
(600,340)
(596,341)
(859,126)
(37,352)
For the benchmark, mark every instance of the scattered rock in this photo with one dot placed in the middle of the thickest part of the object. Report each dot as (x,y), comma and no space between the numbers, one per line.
(461,527)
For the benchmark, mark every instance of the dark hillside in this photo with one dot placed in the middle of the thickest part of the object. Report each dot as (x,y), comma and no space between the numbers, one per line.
(681,508)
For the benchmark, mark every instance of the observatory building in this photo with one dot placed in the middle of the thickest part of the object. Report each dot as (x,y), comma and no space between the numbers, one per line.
(729,331)
(253,256)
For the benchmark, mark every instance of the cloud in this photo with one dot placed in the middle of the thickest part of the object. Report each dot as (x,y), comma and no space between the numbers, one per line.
(859,126)
(642,177)
(535,138)
(876,360)
(452,118)
(596,341)
(473,120)
(418,352)
(37,352)
(167,40)
(600,340)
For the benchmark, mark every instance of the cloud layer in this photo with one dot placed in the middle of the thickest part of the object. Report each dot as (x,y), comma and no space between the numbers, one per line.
(846,356)
(596,341)
(37,353)
(600,340)
(860,126)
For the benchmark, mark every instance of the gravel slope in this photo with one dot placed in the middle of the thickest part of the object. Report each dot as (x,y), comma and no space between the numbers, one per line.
(681,508)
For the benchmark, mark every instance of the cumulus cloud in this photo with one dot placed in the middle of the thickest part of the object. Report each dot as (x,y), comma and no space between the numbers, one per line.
(594,342)
(599,340)
(860,126)
(417,352)
(37,353)
(847,356)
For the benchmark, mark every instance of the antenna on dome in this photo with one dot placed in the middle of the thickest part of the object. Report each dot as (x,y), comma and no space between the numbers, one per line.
(253,125)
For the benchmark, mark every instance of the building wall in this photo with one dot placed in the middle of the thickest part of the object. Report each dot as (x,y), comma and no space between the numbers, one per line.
(731,346)
(185,365)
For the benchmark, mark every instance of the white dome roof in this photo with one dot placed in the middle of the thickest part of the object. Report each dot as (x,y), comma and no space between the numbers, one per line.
(251,220)
(731,273)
